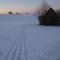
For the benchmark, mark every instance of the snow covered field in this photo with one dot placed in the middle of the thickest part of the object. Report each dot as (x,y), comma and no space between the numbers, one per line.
(10,26)
(22,39)
(41,43)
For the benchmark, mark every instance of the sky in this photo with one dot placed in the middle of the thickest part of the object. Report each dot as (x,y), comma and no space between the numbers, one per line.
(25,5)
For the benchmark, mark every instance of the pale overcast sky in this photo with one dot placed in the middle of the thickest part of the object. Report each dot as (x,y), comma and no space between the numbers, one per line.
(26,3)
(12,4)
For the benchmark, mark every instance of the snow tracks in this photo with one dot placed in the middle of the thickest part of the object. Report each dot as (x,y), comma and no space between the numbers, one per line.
(15,50)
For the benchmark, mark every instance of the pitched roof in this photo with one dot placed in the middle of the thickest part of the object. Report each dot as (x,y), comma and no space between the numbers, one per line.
(51,13)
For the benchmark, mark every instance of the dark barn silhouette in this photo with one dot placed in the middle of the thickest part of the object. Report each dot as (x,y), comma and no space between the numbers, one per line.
(50,18)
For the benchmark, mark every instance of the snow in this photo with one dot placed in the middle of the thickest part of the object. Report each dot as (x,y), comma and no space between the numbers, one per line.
(21,38)
(10,27)
(41,42)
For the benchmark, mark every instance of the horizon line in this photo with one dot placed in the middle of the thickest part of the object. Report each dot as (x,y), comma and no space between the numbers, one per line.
(19,10)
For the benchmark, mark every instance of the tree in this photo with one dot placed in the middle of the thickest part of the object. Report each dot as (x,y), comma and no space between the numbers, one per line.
(10,12)
(45,7)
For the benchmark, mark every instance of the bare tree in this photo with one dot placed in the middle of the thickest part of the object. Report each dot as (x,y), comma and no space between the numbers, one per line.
(44,7)
(10,12)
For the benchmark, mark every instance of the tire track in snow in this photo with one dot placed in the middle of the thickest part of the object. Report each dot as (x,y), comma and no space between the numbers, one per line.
(14,56)
(19,52)
(22,47)
(16,47)
(6,58)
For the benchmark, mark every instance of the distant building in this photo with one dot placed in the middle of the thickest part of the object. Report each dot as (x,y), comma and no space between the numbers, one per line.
(18,13)
(58,12)
(50,18)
